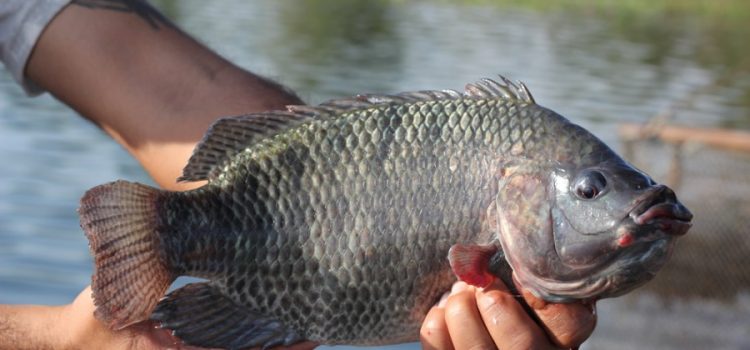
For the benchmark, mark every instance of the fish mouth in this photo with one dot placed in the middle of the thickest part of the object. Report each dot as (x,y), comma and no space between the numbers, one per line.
(660,209)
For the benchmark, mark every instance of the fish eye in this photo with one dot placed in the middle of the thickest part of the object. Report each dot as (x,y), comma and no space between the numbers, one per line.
(589,184)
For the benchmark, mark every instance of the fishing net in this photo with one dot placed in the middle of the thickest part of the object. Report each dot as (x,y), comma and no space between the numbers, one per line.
(713,259)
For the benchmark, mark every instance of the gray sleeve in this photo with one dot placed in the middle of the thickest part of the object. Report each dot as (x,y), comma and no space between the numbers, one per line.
(21,23)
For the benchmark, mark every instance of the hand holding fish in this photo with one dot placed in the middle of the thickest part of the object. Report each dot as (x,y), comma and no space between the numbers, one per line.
(483,318)
(86,332)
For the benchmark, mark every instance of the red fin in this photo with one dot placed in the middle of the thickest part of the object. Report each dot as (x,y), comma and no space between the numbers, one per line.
(470,263)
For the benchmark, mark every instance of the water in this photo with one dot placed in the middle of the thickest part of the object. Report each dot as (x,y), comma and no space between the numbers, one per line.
(597,67)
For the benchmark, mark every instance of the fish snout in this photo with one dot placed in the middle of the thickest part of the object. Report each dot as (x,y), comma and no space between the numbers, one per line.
(665,212)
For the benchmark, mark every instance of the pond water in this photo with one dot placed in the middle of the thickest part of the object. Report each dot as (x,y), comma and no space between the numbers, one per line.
(597,66)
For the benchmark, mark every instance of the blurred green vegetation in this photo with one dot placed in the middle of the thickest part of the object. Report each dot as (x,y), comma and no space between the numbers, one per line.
(721,27)
(723,9)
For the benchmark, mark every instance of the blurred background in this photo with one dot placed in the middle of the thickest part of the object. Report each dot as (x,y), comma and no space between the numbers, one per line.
(611,66)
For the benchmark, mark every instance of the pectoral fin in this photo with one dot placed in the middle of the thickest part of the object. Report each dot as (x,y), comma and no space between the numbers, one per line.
(471,263)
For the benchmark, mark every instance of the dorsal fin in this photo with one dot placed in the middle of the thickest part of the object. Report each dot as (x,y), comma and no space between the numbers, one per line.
(485,88)
(506,89)
(229,136)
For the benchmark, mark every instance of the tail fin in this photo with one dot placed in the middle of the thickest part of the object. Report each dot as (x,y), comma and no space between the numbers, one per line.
(120,220)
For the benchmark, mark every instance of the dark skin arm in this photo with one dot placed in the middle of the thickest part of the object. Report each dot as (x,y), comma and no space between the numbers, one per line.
(155,90)
(151,87)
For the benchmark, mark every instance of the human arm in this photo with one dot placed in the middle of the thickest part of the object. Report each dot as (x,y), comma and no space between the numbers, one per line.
(147,84)
(19,323)
(73,327)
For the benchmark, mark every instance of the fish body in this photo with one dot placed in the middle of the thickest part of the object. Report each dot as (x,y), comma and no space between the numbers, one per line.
(346,222)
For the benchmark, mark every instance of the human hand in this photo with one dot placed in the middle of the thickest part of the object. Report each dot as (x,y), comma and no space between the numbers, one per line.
(87,332)
(486,318)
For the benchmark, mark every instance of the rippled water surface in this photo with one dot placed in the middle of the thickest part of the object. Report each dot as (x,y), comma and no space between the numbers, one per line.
(597,67)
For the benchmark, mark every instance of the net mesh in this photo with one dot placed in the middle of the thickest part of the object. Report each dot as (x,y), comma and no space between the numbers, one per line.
(713,259)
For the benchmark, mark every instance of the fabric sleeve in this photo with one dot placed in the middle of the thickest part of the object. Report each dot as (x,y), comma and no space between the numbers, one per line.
(21,24)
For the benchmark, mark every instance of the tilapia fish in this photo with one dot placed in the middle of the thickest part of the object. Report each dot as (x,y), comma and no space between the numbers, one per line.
(345,222)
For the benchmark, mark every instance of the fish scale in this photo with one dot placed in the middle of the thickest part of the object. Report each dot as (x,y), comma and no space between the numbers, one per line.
(334,223)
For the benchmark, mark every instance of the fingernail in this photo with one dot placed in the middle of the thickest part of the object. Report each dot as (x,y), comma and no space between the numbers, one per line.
(459,287)
(443,300)
(483,300)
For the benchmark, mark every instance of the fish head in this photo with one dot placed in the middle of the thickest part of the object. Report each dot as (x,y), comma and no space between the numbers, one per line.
(587,231)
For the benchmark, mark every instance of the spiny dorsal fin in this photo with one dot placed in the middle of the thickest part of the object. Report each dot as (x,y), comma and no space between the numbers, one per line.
(485,88)
(229,136)
(506,89)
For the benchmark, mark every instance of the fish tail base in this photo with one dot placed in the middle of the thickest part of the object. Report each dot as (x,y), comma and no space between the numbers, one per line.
(120,220)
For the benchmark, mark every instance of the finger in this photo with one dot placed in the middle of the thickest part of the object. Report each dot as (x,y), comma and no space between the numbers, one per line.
(434,333)
(465,325)
(507,322)
(566,325)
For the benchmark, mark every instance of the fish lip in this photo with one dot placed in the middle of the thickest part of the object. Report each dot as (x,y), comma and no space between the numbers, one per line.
(651,197)
(660,207)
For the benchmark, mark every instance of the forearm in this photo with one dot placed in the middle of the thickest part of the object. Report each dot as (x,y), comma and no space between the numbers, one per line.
(30,327)
(151,87)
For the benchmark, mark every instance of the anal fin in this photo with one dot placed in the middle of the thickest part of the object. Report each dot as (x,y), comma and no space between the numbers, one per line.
(200,315)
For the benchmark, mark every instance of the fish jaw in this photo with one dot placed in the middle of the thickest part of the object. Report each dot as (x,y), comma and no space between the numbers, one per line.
(631,269)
